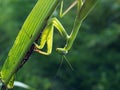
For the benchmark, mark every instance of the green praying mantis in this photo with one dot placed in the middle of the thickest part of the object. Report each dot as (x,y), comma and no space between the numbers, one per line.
(40,19)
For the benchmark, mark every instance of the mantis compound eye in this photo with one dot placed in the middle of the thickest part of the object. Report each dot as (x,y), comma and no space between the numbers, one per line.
(62,51)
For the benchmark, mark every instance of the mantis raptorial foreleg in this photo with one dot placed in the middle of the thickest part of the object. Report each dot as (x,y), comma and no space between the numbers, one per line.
(47,36)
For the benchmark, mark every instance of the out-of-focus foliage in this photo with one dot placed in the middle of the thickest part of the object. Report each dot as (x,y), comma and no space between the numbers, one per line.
(95,55)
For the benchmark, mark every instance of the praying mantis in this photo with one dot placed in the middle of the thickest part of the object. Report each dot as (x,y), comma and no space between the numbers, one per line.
(40,19)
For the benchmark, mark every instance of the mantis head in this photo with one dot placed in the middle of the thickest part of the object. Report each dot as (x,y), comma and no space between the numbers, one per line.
(61,51)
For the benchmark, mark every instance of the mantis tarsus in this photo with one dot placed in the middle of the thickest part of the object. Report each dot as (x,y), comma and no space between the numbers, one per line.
(40,20)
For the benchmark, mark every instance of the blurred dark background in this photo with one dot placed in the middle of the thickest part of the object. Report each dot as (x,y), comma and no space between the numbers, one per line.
(95,55)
